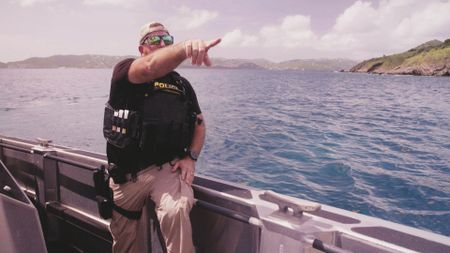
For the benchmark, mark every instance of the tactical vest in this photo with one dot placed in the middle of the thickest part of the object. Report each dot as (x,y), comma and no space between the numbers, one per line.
(159,128)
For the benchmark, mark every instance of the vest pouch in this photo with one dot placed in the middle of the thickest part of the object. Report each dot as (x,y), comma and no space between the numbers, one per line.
(161,143)
(121,127)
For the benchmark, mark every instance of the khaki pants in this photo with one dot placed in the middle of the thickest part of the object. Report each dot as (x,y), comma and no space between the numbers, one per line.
(173,201)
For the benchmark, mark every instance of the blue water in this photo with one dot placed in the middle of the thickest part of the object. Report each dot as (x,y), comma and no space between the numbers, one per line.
(377,145)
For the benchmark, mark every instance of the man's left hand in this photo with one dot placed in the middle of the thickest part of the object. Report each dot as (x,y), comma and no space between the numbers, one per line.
(187,169)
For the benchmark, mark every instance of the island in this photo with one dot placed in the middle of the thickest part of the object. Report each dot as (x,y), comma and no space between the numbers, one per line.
(429,59)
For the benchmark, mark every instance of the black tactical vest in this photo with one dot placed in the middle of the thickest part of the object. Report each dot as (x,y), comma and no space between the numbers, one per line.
(154,125)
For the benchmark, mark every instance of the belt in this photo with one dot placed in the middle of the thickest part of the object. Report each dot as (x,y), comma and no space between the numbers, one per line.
(131,176)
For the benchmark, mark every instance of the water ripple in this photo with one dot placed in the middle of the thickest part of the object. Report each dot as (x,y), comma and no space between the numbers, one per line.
(378,145)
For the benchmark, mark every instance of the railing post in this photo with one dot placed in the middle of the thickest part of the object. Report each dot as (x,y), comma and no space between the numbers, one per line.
(48,184)
(1,150)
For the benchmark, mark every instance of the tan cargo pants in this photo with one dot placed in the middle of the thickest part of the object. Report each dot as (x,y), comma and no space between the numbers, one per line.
(173,201)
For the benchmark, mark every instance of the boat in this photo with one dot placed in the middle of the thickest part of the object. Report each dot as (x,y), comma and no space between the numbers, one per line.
(48,204)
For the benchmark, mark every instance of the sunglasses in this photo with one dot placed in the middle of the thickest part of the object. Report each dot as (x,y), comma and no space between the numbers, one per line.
(156,40)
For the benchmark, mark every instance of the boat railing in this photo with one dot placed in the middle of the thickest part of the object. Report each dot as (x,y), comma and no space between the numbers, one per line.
(59,182)
(226,217)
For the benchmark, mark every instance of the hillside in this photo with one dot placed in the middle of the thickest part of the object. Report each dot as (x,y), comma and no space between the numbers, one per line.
(233,63)
(298,64)
(103,61)
(3,65)
(429,59)
(316,64)
(68,61)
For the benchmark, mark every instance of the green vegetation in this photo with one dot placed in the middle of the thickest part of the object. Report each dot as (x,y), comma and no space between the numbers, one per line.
(433,55)
(431,58)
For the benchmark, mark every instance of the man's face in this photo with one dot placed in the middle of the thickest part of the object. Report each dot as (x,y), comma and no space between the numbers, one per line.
(154,41)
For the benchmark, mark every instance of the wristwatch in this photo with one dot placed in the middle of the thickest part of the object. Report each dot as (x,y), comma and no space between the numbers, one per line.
(193,155)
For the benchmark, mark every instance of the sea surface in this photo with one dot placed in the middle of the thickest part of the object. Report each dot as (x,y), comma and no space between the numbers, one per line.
(374,144)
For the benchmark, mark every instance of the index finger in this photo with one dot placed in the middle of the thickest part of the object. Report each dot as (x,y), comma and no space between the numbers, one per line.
(213,43)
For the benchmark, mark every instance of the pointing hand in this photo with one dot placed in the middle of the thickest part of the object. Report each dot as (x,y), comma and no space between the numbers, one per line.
(198,51)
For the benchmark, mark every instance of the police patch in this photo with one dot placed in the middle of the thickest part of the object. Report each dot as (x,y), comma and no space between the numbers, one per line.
(167,87)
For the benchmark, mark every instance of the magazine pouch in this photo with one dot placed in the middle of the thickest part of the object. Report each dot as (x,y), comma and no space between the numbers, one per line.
(121,127)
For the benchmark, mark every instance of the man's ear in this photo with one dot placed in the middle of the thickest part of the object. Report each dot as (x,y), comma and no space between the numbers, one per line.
(141,49)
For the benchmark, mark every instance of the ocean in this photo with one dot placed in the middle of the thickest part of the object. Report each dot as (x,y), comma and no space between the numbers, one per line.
(373,144)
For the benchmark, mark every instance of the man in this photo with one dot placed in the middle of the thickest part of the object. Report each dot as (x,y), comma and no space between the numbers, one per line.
(155,132)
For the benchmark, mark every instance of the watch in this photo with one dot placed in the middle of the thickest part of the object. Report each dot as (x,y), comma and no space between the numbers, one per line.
(193,155)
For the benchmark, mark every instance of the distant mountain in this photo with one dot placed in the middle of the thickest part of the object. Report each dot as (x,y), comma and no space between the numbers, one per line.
(429,59)
(233,63)
(103,61)
(3,65)
(316,64)
(299,64)
(68,61)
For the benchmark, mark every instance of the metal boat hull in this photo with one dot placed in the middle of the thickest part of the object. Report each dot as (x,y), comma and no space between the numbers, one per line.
(226,218)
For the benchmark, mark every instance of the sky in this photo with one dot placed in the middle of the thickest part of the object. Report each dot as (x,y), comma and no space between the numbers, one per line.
(274,30)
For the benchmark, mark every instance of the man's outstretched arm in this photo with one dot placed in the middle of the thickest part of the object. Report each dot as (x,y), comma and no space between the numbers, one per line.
(166,59)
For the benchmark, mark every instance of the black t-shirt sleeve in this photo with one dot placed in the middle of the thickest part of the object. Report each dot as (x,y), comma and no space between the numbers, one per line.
(119,81)
(120,73)
(195,102)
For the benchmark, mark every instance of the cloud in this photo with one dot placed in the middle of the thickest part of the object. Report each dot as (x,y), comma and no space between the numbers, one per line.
(291,32)
(394,26)
(429,21)
(236,38)
(109,2)
(27,3)
(359,18)
(191,19)
(361,31)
